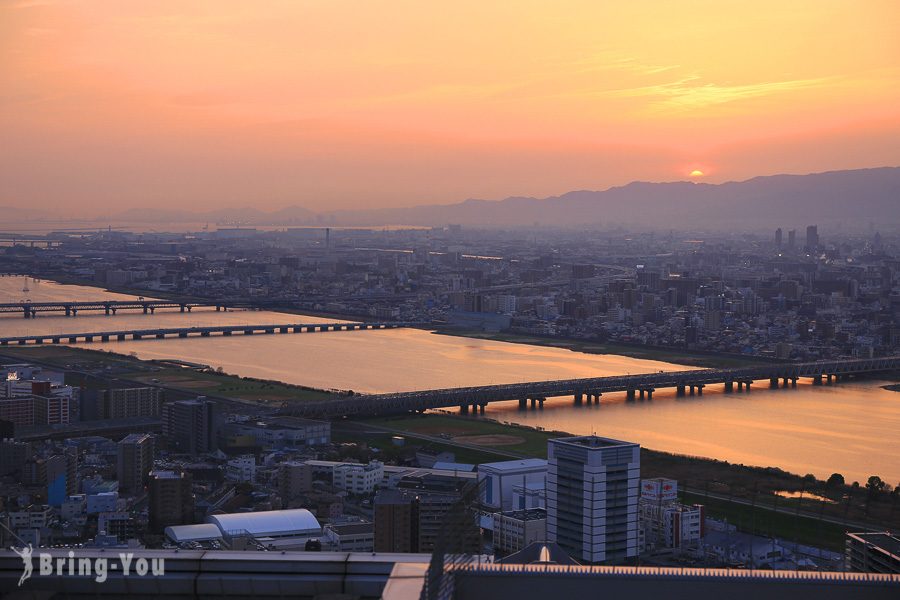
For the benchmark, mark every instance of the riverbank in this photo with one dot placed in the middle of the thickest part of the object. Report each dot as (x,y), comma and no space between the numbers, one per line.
(752,497)
(172,376)
(677,356)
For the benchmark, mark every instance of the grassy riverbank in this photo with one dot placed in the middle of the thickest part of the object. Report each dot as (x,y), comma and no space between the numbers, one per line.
(751,497)
(173,375)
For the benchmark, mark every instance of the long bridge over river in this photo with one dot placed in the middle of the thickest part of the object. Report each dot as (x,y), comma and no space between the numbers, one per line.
(184,332)
(589,390)
(30,309)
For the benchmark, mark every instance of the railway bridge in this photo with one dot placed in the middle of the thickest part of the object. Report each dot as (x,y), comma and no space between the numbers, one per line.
(184,332)
(590,390)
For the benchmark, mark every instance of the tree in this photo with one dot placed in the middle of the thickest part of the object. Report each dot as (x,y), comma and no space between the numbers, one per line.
(836,480)
(875,484)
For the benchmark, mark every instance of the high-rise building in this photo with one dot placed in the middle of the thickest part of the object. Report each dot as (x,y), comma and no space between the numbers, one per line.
(592,498)
(294,480)
(396,522)
(171,499)
(792,239)
(135,461)
(124,403)
(812,237)
(189,426)
(778,238)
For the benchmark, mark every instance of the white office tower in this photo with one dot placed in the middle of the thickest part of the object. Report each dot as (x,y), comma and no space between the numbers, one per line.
(593,485)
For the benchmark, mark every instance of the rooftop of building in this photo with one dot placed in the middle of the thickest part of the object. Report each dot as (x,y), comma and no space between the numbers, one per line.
(528,514)
(352,528)
(392,497)
(165,475)
(884,540)
(515,465)
(593,441)
(276,523)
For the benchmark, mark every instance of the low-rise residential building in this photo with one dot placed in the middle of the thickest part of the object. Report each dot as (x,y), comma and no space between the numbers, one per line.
(514,530)
(359,479)
(350,537)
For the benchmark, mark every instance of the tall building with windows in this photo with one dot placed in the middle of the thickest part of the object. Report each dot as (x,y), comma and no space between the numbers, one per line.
(189,426)
(593,485)
(135,461)
(812,237)
(171,500)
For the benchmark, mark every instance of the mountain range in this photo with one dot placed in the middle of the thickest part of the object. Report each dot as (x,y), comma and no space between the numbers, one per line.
(852,196)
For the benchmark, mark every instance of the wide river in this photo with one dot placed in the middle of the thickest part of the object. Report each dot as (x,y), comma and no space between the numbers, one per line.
(851,428)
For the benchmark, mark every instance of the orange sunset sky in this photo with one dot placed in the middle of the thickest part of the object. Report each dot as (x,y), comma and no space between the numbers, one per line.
(106,105)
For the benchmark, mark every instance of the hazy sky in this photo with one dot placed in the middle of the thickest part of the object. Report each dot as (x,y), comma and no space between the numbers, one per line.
(336,104)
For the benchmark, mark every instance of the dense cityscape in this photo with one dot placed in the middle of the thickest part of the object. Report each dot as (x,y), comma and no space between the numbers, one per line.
(781,296)
(449,300)
(111,452)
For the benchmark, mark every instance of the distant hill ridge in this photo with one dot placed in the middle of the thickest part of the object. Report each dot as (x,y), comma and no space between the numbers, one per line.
(860,195)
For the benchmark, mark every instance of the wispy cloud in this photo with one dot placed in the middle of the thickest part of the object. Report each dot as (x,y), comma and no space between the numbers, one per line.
(691,92)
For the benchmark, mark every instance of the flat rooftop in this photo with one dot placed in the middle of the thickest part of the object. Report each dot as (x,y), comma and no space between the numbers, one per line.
(887,541)
(528,514)
(593,441)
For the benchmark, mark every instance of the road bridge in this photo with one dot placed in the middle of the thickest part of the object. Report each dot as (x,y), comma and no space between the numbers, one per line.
(184,332)
(589,390)
(30,309)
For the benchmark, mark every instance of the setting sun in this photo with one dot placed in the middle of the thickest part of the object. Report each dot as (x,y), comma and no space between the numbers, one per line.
(696,173)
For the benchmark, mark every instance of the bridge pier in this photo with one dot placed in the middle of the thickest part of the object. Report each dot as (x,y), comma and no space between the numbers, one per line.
(104,338)
(641,393)
(817,380)
(56,340)
(226,332)
(523,403)
(794,382)
(182,334)
(121,337)
(747,385)
(464,408)
(68,311)
(773,383)
(160,336)
(700,387)
(481,408)
(597,398)
(830,379)
(729,386)
(680,389)
(785,382)
(579,397)
(629,394)
(27,312)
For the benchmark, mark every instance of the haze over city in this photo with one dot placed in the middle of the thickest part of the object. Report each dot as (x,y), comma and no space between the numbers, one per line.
(450,300)
(335,105)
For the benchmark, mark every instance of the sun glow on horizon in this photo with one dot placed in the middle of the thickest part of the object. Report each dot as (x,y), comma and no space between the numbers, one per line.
(696,173)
